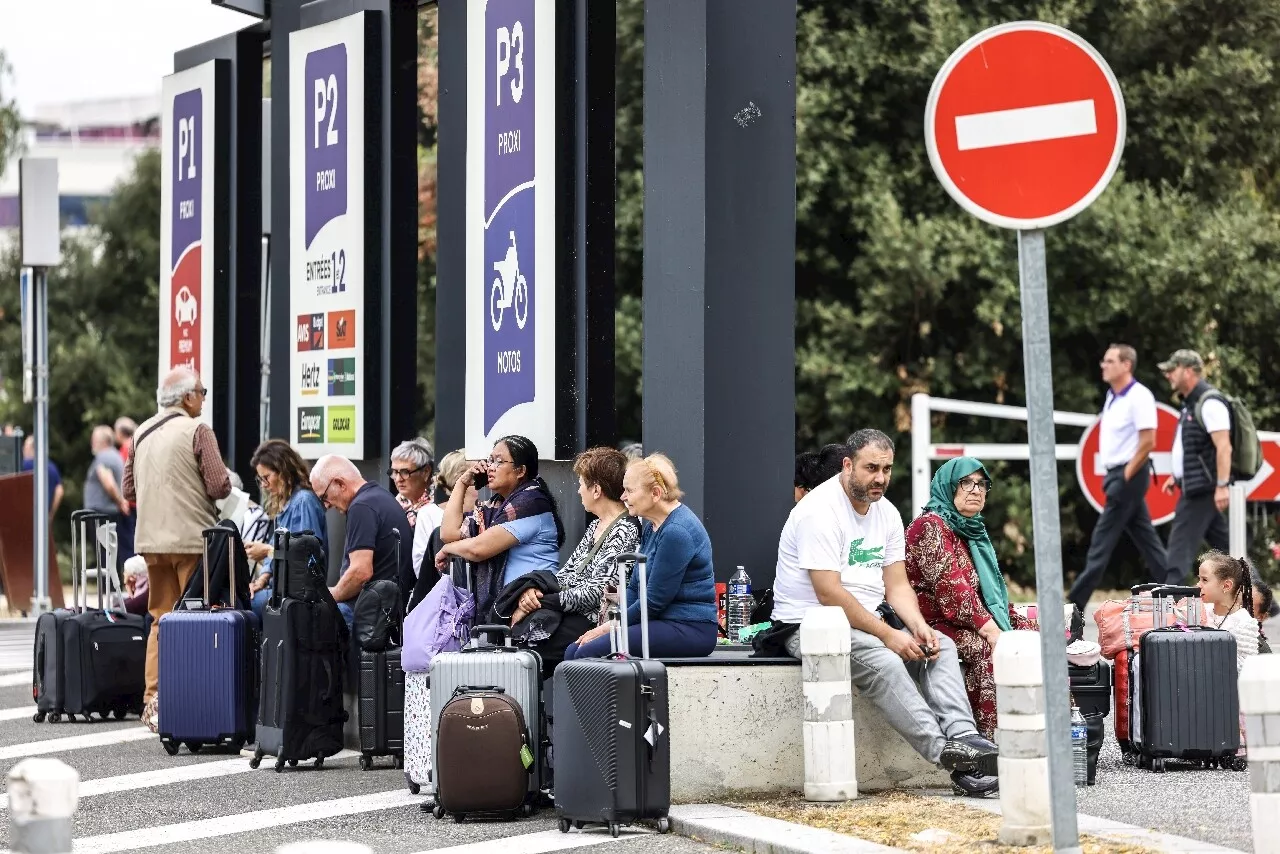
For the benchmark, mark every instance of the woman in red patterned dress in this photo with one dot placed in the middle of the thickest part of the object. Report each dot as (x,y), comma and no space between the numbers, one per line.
(952,565)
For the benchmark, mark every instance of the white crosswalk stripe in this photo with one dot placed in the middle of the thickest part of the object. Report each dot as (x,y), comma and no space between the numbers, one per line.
(15,646)
(104,738)
(13,679)
(541,842)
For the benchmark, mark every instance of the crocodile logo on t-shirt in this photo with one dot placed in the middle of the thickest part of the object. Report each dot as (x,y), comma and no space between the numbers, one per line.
(857,554)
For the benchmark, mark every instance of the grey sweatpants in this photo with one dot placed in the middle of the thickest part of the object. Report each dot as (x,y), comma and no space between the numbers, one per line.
(924,701)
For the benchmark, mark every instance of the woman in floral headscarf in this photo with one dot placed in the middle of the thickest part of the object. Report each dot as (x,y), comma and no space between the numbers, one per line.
(952,565)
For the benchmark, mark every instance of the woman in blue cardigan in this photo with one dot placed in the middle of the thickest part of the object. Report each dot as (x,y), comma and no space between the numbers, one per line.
(681,578)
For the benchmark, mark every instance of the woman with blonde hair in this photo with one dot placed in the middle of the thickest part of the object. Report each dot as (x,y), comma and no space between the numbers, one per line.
(681,577)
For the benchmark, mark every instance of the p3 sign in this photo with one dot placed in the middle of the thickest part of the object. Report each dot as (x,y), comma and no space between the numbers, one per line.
(510,61)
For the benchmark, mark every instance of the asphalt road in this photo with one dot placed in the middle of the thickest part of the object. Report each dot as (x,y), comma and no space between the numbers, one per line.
(135,797)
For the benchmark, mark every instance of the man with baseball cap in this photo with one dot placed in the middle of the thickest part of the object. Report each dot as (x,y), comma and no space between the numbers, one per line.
(1201,462)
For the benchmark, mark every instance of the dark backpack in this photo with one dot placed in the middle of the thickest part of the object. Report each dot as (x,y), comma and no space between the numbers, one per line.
(1246,448)
(378,615)
(303,569)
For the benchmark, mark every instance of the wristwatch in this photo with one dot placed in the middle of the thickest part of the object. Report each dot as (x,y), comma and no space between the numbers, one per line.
(1224,483)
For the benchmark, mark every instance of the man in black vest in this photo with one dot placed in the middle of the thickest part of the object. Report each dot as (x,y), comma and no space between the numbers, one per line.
(1201,464)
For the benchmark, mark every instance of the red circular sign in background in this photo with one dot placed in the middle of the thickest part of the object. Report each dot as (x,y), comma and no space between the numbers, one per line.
(1039,165)
(1159,504)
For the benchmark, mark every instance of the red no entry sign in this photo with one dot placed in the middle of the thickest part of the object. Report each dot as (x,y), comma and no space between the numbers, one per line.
(1025,125)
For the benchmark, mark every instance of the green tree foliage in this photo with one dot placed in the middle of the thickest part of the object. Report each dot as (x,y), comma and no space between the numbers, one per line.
(102,327)
(9,121)
(899,291)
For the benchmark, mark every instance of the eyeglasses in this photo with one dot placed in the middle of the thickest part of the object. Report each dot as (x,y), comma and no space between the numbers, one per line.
(396,474)
(200,392)
(263,480)
(324,496)
(983,485)
(494,462)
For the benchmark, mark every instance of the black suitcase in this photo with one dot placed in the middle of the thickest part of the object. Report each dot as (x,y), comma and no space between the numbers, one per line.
(1185,698)
(88,661)
(1091,686)
(304,652)
(381,707)
(610,738)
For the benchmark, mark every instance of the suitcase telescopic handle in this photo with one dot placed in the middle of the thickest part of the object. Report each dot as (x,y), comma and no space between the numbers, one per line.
(80,520)
(280,567)
(1167,594)
(474,689)
(1144,588)
(624,639)
(209,534)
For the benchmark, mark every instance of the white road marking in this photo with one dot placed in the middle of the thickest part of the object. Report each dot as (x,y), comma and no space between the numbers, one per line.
(168,776)
(542,842)
(1026,124)
(17,713)
(9,680)
(249,822)
(78,742)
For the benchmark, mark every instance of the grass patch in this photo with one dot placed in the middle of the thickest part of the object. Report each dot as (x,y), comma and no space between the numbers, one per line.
(893,818)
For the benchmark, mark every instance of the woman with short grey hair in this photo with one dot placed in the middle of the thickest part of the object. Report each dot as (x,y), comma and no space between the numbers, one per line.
(412,465)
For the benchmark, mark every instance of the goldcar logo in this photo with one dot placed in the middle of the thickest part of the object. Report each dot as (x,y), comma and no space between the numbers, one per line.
(342,425)
(310,425)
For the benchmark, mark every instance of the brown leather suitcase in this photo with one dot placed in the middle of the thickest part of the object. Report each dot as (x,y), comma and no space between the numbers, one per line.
(483,755)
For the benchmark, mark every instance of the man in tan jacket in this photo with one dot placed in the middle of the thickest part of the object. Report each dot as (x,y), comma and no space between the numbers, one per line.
(175,473)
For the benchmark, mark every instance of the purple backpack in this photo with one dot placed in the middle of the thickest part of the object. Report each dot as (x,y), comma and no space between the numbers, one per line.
(440,623)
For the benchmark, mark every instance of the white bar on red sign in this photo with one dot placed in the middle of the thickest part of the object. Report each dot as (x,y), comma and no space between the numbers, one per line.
(1026,124)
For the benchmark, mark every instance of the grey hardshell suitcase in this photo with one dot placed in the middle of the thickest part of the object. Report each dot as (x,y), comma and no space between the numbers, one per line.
(508,669)
(610,738)
(1185,704)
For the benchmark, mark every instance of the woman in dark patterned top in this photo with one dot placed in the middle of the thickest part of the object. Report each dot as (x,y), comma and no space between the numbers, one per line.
(590,568)
(951,563)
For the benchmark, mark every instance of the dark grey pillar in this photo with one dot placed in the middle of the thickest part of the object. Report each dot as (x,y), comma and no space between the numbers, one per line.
(451,229)
(238,310)
(284,20)
(719,265)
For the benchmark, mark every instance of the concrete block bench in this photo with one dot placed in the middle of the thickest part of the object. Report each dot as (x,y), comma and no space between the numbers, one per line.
(736,730)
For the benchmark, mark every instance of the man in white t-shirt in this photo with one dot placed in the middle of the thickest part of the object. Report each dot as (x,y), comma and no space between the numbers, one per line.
(1126,437)
(843,545)
(1201,464)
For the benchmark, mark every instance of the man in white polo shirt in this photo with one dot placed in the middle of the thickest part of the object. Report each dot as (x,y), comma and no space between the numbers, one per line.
(1126,436)
(843,545)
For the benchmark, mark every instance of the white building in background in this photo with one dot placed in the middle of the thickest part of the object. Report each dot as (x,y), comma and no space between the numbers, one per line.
(95,142)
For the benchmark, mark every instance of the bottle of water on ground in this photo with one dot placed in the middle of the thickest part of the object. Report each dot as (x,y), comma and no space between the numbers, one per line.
(739,604)
(1079,745)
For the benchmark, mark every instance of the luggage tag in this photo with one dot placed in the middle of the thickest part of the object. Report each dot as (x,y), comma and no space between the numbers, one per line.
(526,757)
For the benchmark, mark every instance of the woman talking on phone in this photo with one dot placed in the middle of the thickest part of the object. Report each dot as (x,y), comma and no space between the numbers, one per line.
(515,532)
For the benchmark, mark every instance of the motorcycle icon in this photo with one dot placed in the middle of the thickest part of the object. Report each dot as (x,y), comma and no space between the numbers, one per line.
(510,290)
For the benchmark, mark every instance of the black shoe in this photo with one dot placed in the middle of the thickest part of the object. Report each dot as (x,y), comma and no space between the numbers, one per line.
(970,754)
(974,786)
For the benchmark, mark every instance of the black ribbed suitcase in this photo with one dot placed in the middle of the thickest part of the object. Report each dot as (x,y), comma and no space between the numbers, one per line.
(1185,698)
(612,747)
(381,707)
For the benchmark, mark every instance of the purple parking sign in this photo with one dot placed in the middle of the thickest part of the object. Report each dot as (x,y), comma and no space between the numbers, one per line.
(188,172)
(326,137)
(509,210)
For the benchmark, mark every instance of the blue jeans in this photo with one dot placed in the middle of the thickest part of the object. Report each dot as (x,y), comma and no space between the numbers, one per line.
(260,600)
(348,613)
(667,639)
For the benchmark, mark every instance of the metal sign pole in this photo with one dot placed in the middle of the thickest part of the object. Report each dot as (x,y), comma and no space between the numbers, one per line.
(40,601)
(264,396)
(1037,361)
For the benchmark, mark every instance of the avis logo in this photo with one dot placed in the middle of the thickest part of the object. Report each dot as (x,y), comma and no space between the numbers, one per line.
(310,425)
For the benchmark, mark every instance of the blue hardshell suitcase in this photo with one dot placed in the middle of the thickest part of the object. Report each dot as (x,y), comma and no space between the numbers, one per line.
(208,669)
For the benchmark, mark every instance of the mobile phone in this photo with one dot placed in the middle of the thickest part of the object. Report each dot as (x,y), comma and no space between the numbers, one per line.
(480,480)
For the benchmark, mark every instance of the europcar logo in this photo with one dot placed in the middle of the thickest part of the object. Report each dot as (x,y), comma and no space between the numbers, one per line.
(311,425)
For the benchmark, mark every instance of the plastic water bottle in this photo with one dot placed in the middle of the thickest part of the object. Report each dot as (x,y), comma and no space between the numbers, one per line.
(739,605)
(1079,745)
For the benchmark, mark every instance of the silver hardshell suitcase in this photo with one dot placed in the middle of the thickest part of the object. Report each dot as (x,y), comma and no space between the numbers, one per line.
(508,669)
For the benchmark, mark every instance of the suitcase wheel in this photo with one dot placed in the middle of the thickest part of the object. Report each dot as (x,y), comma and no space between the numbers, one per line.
(320,762)
(1235,763)
(38,717)
(578,825)
(526,809)
(120,713)
(55,718)
(564,825)
(414,788)
(280,766)
(256,760)
(1157,764)
(397,762)
(194,746)
(366,762)
(615,829)
(459,817)
(437,811)
(293,763)
(664,825)
(105,714)
(170,747)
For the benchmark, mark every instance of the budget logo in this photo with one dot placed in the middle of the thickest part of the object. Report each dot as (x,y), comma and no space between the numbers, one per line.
(317,331)
(310,425)
(342,425)
(342,377)
(342,330)
(310,378)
